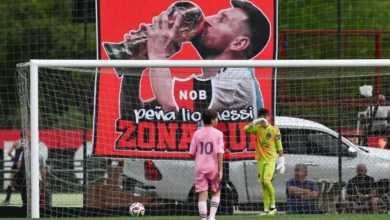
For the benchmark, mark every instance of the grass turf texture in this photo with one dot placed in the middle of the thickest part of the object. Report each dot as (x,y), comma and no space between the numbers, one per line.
(59,200)
(244,217)
(75,200)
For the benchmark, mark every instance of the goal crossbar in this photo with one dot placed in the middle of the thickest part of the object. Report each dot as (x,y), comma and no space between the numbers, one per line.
(213,63)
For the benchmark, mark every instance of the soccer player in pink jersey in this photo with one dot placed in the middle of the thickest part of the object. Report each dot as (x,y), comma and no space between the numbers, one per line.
(207,148)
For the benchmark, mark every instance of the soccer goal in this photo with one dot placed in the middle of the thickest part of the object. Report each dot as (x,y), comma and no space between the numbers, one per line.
(118,132)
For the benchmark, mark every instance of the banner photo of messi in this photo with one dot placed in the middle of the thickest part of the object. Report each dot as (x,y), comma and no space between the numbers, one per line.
(153,112)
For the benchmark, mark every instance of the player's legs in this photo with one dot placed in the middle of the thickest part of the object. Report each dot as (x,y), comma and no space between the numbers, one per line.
(23,194)
(201,187)
(269,170)
(260,171)
(202,205)
(265,199)
(11,176)
(216,194)
(214,204)
(267,187)
(10,185)
(266,171)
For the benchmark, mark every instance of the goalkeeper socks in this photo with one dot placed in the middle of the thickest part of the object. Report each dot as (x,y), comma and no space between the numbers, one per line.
(214,206)
(265,199)
(271,192)
(202,210)
(9,192)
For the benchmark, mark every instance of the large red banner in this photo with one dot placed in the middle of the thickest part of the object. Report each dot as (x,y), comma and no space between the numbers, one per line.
(152,113)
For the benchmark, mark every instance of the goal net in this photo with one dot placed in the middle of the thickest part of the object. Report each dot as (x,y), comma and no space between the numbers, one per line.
(111,140)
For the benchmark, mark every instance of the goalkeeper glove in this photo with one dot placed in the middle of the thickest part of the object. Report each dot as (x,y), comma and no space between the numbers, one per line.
(261,121)
(281,167)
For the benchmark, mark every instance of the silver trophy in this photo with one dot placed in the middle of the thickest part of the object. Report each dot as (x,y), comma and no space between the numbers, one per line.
(136,49)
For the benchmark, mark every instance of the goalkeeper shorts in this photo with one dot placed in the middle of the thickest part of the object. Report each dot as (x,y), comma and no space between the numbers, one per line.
(265,170)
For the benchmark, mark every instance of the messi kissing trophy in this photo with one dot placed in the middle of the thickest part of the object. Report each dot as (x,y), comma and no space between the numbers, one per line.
(136,49)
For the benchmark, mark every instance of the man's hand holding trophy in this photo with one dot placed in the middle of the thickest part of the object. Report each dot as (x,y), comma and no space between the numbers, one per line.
(180,23)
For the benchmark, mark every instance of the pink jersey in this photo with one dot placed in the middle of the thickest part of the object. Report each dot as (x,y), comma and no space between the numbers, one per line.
(206,143)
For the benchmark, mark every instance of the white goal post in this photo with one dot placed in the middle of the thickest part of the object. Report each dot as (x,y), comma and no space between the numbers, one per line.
(34,65)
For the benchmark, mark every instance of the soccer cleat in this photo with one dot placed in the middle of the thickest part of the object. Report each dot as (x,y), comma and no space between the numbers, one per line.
(264,214)
(272,212)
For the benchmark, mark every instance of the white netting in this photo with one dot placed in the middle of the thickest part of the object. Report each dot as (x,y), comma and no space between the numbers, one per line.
(154,143)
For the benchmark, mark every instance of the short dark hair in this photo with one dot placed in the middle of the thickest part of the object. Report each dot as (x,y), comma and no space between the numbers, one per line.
(258,24)
(301,166)
(208,115)
(262,112)
(22,134)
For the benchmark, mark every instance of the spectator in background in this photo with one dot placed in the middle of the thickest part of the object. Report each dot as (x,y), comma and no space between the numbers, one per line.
(302,193)
(361,192)
(382,143)
(380,125)
(376,121)
(22,177)
(18,146)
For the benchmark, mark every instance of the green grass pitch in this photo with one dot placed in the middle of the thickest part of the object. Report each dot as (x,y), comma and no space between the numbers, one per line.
(244,217)
(75,200)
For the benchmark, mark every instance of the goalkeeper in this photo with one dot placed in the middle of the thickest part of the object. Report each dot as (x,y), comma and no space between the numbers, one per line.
(268,142)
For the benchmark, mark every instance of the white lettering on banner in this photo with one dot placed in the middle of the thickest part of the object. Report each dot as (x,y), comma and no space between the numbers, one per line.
(236,115)
(154,114)
(190,116)
(186,115)
(192,95)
